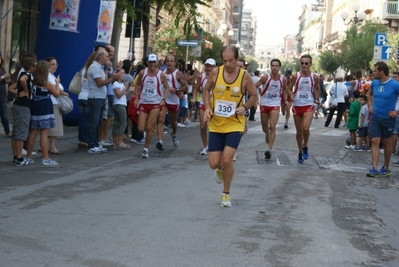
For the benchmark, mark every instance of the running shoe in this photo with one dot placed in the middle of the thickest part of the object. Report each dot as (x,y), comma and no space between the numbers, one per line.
(49,162)
(25,153)
(204,151)
(350,147)
(29,160)
(373,173)
(145,155)
(93,150)
(359,149)
(268,155)
(396,163)
(20,162)
(159,145)
(300,158)
(105,143)
(305,153)
(366,148)
(225,200)
(174,139)
(235,157)
(286,126)
(384,171)
(102,149)
(218,175)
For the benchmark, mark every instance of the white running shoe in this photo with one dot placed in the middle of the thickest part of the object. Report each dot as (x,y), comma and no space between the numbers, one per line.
(204,151)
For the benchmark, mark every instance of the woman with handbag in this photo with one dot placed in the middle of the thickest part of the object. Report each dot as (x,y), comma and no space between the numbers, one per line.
(338,91)
(58,130)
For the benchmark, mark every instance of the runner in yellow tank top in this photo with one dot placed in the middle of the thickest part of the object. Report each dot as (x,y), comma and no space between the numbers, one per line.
(225,112)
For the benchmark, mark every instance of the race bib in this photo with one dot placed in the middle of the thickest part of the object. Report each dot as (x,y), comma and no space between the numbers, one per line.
(304,96)
(149,92)
(272,96)
(225,108)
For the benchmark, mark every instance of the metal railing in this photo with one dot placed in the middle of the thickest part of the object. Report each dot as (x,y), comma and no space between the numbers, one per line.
(390,10)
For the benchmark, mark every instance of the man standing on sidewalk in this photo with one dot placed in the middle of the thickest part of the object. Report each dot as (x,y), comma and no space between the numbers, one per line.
(225,111)
(382,97)
(97,82)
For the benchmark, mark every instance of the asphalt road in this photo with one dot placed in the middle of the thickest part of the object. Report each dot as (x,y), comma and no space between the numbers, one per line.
(117,209)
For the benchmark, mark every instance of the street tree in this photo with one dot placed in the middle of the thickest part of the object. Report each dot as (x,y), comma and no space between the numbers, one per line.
(185,12)
(330,61)
(358,46)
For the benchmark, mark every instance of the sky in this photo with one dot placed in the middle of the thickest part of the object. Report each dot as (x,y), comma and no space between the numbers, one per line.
(276,19)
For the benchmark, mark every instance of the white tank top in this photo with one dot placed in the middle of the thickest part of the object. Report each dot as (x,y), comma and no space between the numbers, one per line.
(173,99)
(151,88)
(271,92)
(204,80)
(304,90)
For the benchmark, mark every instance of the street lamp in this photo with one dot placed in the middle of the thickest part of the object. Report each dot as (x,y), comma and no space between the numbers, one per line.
(358,18)
(222,33)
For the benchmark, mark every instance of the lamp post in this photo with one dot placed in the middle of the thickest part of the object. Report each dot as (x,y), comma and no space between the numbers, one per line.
(224,34)
(357,19)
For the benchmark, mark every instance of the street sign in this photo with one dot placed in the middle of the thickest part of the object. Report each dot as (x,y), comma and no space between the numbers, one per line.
(187,42)
(386,52)
(380,38)
(382,52)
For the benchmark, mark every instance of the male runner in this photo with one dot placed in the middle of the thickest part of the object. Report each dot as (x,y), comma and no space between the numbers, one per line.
(178,85)
(304,96)
(225,112)
(202,79)
(151,100)
(273,86)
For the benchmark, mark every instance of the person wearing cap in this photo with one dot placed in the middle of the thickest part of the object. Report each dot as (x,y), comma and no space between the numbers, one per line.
(225,113)
(304,98)
(178,85)
(151,100)
(286,108)
(202,79)
(272,86)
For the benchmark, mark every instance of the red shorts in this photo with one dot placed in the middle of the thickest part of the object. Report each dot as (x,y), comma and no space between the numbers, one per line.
(172,108)
(268,109)
(202,106)
(300,110)
(146,108)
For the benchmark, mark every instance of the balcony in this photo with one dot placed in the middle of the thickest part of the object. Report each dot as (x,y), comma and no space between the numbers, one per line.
(236,10)
(390,10)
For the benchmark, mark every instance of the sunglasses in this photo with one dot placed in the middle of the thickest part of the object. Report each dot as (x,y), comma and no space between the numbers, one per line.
(304,63)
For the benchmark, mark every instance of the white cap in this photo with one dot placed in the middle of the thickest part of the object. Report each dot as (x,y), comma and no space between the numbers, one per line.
(210,61)
(152,57)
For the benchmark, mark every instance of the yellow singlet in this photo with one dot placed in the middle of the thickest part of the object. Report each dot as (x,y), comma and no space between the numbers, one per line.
(226,98)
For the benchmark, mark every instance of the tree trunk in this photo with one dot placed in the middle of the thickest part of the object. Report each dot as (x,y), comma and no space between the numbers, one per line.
(116,33)
(146,28)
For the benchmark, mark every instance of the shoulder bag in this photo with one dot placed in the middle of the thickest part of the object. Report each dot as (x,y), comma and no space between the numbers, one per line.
(76,84)
(66,104)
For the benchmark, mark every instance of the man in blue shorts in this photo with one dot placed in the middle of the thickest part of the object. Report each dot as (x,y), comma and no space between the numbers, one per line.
(382,90)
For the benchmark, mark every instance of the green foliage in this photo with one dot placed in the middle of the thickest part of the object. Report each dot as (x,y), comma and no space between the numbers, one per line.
(252,64)
(292,64)
(213,50)
(358,47)
(330,61)
(166,43)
